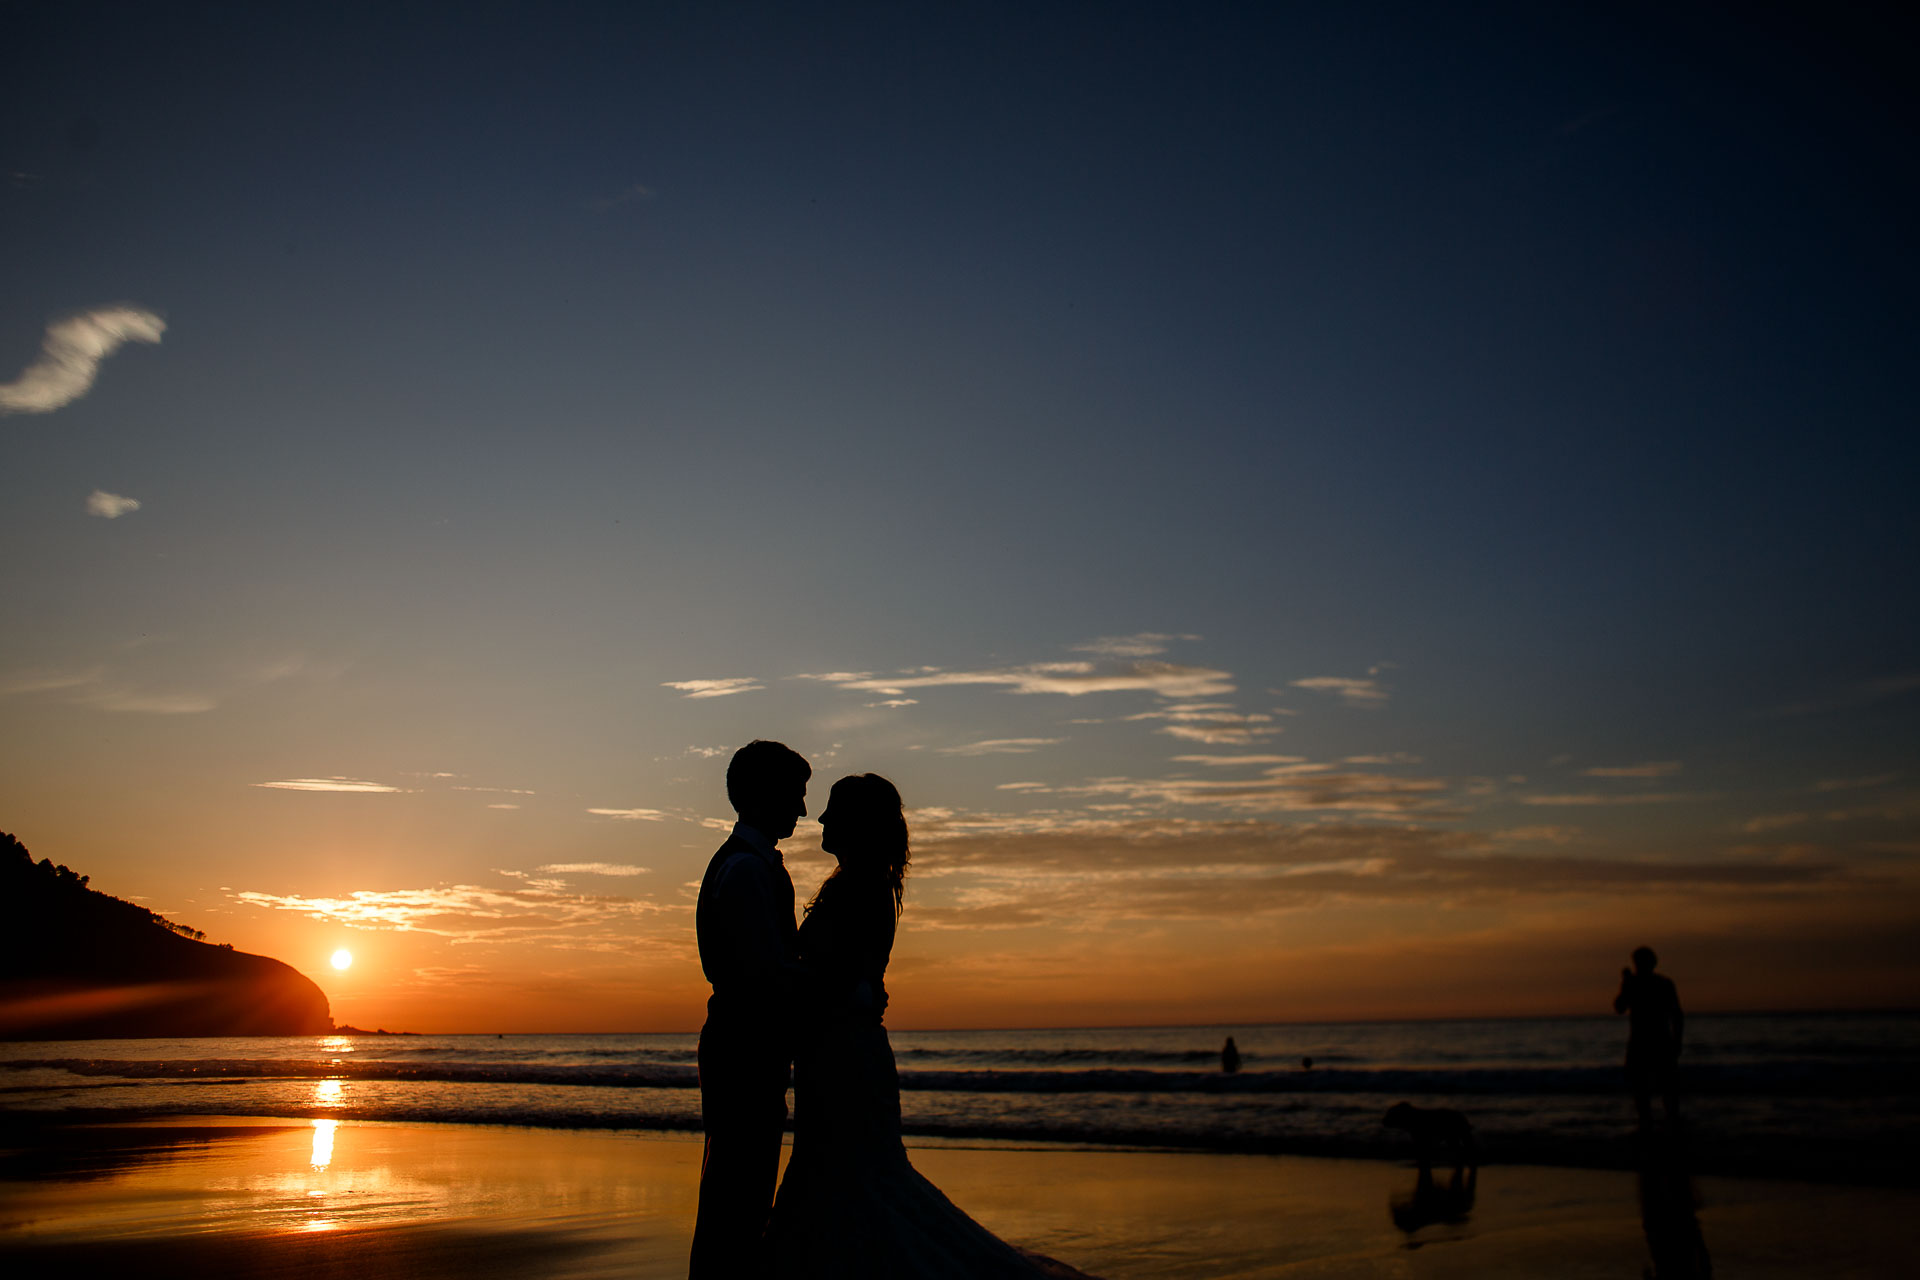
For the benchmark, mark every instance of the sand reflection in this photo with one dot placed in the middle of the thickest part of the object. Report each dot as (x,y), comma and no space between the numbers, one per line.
(323,1143)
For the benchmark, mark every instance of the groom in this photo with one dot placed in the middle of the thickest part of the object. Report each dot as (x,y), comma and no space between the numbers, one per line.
(744,922)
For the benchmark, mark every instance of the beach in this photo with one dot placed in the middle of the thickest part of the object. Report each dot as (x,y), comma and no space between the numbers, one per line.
(302,1198)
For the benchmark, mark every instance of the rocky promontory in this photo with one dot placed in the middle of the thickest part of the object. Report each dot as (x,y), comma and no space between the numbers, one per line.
(78,964)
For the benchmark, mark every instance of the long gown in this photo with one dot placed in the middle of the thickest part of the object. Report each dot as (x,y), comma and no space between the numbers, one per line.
(851,1205)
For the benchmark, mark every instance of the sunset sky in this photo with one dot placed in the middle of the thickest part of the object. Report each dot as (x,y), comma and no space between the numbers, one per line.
(1345,512)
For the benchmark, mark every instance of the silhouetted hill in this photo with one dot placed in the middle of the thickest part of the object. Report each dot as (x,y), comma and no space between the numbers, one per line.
(79,964)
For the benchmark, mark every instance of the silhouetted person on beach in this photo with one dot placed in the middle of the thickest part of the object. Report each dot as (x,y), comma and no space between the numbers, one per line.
(744,922)
(1229,1056)
(1655,1024)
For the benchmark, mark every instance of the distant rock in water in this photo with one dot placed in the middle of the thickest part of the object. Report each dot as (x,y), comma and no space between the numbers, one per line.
(77,964)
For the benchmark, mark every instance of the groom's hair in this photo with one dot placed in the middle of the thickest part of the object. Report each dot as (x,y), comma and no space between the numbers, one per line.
(760,768)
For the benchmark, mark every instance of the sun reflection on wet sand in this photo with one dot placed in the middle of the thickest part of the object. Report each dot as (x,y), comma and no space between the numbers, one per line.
(323,1143)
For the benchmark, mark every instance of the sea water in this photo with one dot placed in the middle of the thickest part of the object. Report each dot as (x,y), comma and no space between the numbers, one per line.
(1823,1090)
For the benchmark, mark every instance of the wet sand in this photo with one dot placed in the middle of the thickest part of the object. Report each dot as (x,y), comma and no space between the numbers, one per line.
(309,1199)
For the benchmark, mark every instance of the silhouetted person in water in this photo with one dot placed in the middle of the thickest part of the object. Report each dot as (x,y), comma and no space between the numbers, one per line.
(1229,1056)
(1655,1024)
(744,922)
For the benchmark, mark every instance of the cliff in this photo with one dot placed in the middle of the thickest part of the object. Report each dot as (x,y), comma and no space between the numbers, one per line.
(76,964)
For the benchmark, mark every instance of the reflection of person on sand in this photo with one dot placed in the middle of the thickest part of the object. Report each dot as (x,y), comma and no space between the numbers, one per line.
(851,1205)
(1668,1215)
(744,923)
(1431,1203)
(1655,1024)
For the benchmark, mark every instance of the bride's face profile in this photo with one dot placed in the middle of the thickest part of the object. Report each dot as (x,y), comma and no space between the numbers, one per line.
(839,826)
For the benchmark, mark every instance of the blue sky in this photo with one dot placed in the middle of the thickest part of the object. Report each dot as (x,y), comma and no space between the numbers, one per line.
(1539,375)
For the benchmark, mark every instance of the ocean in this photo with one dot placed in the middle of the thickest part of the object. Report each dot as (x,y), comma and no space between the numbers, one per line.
(1822,1096)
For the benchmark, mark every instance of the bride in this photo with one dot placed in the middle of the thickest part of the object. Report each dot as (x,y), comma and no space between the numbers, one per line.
(851,1205)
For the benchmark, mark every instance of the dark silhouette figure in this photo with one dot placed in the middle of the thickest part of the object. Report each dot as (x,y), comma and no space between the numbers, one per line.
(1435,1131)
(744,923)
(1229,1056)
(852,1204)
(1431,1203)
(1654,1028)
(1668,1214)
(1306,1064)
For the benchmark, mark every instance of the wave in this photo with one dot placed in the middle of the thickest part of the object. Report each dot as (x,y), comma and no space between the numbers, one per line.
(1779,1079)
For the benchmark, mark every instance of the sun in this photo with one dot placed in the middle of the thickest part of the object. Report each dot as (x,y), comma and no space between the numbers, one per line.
(342,958)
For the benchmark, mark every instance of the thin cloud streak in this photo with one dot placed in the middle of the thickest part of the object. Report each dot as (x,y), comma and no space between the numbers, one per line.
(110,506)
(70,356)
(1001,747)
(1073,679)
(715,688)
(1359,693)
(356,786)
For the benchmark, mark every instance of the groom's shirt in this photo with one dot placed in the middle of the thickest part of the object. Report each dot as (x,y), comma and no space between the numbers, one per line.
(744,922)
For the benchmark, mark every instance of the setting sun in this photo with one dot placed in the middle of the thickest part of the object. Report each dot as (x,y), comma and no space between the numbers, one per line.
(342,958)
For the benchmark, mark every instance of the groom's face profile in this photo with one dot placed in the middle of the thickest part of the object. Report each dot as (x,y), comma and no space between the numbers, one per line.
(785,806)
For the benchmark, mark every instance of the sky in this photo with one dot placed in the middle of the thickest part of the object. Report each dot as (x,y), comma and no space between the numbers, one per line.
(1324,511)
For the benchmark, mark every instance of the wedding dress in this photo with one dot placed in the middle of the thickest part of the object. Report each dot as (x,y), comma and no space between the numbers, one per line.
(851,1204)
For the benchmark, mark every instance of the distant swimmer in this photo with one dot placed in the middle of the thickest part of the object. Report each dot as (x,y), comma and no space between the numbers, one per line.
(1230,1056)
(1654,1029)
(1306,1064)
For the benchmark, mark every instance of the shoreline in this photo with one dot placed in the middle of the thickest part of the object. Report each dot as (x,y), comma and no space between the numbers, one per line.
(1830,1163)
(299,1198)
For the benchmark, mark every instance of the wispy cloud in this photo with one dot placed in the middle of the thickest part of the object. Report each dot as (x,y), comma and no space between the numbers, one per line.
(358,786)
(631,815)
(1223,762)
(635,193)
(1652,769)
(1358,693)
(93,689)
(1283,788)
(532,911)
(1001,747)
(1167,679)
(1591,798)
(1141,645)
(896,702)
(1854,784)
(1215,724)
(716,688)
(110,506)
(71,353)
(1858,694)
(594,869)
(1773,822)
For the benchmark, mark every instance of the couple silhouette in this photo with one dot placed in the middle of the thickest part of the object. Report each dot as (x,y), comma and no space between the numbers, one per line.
(807,1004)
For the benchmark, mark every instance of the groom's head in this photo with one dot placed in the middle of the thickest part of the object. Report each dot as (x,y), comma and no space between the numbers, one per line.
(767,783)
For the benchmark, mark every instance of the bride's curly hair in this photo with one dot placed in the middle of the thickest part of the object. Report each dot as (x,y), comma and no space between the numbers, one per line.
(876,832)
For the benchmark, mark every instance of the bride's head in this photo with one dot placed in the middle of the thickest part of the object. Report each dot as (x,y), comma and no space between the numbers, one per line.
(864,826)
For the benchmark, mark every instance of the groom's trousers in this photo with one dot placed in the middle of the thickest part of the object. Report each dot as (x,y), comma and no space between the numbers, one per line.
(743,1109)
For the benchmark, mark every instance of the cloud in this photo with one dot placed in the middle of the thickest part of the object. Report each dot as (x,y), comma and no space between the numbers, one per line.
(896,702)
(1389,757)
(595,869)
(1001,747)
(1218,762)
(631,815)
(358,786)
(1166,679)
(1642,797)
(976,871)
(1357,693)
(717,688)
(1858,694)
(533,911)
(1652,769)
(1773,822)
(1285,788)
(91,688)
(503,806)
(70,356)
(1854,784)
(110,506)
(1213,723)
(1142,645)
(636,193)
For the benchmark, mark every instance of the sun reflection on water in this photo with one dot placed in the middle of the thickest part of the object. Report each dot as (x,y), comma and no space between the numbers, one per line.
(327,1093)
(323,1142)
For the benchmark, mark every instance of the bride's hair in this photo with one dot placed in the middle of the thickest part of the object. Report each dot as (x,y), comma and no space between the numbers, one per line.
(876,832)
